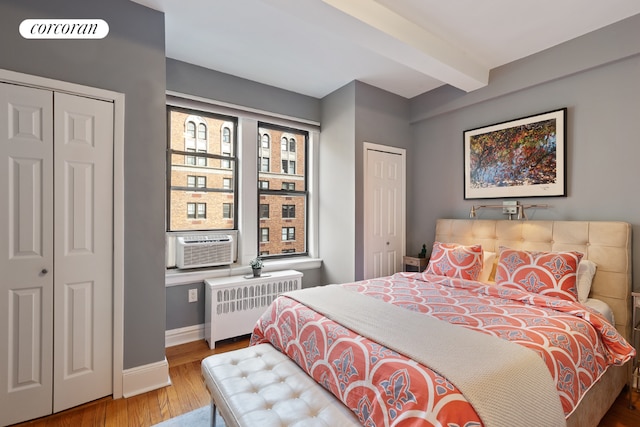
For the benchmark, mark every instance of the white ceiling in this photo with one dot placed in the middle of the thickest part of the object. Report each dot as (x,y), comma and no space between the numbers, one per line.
(406,47)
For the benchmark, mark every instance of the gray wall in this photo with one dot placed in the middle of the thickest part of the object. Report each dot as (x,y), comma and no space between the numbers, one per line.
(597,77)
(130,60)
(191,79)
(185,78)
(380,118)
(337,186)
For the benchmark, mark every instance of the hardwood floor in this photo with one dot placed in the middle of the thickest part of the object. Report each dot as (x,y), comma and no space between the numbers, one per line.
(188,392)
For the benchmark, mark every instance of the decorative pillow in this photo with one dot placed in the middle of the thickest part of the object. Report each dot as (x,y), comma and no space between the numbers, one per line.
(487,266)
(453,260)
(586,271)
(547,273)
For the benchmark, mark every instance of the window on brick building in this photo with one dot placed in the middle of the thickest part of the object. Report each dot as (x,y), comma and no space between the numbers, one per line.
(288,211)
(286,193)
(196,210)
(264,210)
(202,170)
(227,210)
(288,233)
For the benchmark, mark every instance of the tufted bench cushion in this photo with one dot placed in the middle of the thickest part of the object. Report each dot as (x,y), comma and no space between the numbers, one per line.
(259,386)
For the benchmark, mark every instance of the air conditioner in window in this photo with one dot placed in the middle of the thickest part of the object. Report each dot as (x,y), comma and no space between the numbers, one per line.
(204,251)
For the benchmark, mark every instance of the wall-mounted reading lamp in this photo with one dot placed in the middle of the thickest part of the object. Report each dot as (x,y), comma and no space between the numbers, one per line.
(508,208)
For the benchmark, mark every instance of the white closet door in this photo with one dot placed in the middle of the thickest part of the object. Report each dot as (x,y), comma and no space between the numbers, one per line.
(83,164)
(384,212)
(26,252)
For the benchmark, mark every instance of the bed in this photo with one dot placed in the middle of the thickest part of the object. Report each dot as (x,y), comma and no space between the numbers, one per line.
(373,356)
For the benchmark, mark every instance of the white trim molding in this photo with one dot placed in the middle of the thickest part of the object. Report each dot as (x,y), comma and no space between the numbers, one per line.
(142,379)
(183,335)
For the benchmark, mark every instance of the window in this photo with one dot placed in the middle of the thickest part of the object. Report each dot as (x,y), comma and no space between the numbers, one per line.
(264,211)
(201,210)
(196,210)
(265,141)
(288,211)
(205,142)
(288,233)
(191,130)
(196,181)
(264,164)
(286,193)
(289,166)
(227,210)
(201,170)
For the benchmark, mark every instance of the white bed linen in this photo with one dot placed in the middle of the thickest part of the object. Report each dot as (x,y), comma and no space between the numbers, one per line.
(601,307)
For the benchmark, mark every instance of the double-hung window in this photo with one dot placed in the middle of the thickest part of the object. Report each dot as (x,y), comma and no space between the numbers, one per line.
(285,190)
(202,170)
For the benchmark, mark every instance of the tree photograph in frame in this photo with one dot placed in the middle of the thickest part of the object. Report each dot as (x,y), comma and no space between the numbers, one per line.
(519,158)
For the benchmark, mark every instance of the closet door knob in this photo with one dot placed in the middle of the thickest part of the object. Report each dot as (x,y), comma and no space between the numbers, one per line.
(44,271)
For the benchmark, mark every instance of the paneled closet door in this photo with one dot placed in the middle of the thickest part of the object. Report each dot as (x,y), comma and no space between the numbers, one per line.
(56,253)
(26,253)
(83,230)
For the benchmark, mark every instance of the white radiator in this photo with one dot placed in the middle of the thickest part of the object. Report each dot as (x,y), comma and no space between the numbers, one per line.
(234,304)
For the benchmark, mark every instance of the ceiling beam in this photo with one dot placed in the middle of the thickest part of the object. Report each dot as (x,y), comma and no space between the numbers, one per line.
(397,38)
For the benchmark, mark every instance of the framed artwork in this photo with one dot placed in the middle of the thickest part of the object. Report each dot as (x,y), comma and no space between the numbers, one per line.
(519,158)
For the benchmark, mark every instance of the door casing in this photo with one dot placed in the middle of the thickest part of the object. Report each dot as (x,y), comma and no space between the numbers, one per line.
(118,100)
(370,241)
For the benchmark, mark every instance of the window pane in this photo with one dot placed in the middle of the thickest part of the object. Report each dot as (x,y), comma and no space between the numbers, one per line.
(227,210)
(202,210)
(264,164)
(286,194)
(264,211)
(202,131)
(191,130)
(208,173)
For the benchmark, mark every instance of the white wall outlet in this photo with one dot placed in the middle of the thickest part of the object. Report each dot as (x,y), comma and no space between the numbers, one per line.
(193,295)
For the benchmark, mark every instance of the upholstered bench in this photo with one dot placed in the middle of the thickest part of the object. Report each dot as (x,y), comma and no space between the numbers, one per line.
(259,386)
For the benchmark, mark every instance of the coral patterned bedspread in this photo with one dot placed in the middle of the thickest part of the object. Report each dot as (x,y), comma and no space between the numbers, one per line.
(384,388)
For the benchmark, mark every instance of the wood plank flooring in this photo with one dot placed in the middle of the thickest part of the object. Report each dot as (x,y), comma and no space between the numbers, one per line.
(188,392)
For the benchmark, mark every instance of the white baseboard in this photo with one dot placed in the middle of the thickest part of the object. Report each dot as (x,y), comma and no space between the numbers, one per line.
(142,379)
(183,335)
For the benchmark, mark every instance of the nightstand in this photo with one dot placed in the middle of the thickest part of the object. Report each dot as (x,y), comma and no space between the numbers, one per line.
(412,263)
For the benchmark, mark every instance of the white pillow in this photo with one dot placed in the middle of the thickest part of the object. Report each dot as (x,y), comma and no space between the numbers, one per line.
(487,266)
(586,270)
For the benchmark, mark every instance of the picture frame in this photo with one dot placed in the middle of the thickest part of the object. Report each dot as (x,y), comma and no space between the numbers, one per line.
(525,157)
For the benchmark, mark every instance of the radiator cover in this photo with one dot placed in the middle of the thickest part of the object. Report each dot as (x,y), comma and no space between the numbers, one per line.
(234,304)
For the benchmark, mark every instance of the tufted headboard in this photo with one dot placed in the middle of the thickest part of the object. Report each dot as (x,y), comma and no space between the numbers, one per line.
(606,243)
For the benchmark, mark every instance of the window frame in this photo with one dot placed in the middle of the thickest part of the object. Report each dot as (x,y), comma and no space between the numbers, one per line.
(290,190)
(197,154)
(245,153)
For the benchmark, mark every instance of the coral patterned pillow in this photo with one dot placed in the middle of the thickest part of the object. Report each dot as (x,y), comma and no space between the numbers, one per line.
(453,260)
(546,273)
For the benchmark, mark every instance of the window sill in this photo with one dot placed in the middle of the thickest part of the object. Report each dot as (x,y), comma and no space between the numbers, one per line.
(177,277)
